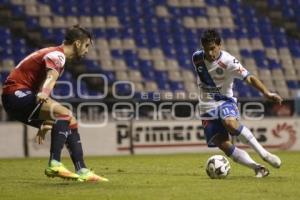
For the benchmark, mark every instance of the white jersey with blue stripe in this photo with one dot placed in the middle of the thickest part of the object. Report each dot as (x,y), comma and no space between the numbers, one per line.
(215,79)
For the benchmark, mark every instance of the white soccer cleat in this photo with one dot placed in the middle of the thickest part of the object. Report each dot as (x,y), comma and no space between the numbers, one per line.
(261,171)
(273,160)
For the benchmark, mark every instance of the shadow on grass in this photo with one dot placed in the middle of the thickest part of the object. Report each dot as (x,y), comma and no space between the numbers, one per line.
(273,178)
(153,173)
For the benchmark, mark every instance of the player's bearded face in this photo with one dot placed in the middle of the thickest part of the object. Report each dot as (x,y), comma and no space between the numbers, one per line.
(212,51)
(81,48)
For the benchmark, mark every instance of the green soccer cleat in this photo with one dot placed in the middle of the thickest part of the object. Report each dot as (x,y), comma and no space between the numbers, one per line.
(57,169)
(87,175)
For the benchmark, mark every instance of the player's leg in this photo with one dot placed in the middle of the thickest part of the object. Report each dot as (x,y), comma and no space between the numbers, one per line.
(51,110)
(74,146)
(64,122)
(67,123)
(20,105)
(217,135)
(61,116)
(238,155)
(229,115)
(244,135)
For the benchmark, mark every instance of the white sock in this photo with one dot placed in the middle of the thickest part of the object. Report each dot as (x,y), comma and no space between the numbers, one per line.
(242,157)
(247,137)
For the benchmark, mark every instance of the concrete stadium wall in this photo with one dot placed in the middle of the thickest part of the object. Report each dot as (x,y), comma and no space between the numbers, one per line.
(11,140)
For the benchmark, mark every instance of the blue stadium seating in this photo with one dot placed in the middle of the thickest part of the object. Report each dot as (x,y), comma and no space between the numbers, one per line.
(158,24)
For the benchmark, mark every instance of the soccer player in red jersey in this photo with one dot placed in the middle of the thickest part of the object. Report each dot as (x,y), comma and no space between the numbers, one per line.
(26,94)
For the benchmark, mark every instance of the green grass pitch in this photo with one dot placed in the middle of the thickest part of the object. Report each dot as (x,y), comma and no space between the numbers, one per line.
(157,177)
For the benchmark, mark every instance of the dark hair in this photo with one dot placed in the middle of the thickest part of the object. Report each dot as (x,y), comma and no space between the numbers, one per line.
(210,36)
(76,33)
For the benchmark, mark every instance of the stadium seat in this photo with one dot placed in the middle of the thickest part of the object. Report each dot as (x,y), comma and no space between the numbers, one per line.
(156,39)
(3,76)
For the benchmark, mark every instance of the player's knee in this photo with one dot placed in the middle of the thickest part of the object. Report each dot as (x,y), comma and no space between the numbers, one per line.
(73,120)
(67,116)
(70,119)
(232,126)
(226,147)
(73,123)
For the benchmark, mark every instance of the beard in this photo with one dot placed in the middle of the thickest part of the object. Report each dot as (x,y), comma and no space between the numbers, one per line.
(77,56)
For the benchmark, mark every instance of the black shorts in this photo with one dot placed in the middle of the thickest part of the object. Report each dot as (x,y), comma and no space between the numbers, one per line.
(20,105)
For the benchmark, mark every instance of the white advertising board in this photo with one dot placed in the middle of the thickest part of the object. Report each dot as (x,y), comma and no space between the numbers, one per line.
(150,137)
(277,133)
(188,136)
(95,141)
(11,140)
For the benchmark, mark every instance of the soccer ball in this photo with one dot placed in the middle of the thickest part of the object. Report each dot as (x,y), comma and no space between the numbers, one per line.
(217,167)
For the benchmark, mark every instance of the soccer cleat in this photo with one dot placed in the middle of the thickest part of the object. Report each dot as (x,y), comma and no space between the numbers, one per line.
(273,160)
(57,169)
(261,171)
(87,175)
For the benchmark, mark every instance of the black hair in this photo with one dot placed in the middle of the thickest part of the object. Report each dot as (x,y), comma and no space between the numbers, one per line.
(76,33)
(210,36)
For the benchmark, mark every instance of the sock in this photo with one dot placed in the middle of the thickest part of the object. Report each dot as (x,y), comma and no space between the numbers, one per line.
(74,146)
(59,134)
(242,157)
(247,137)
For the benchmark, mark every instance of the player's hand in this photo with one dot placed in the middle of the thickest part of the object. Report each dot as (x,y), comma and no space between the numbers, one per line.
(42,97)
(274,97)
(40,136)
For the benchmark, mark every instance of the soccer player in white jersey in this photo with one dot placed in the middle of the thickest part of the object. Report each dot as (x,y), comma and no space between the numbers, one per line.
(216,70)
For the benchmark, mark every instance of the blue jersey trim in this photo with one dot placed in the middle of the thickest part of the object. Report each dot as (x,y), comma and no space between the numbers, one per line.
(203,74)
(221,97)
(230,151)
(201,69)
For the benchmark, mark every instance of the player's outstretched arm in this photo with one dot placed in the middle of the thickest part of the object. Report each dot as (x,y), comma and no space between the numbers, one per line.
(255,82)
(48,85)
